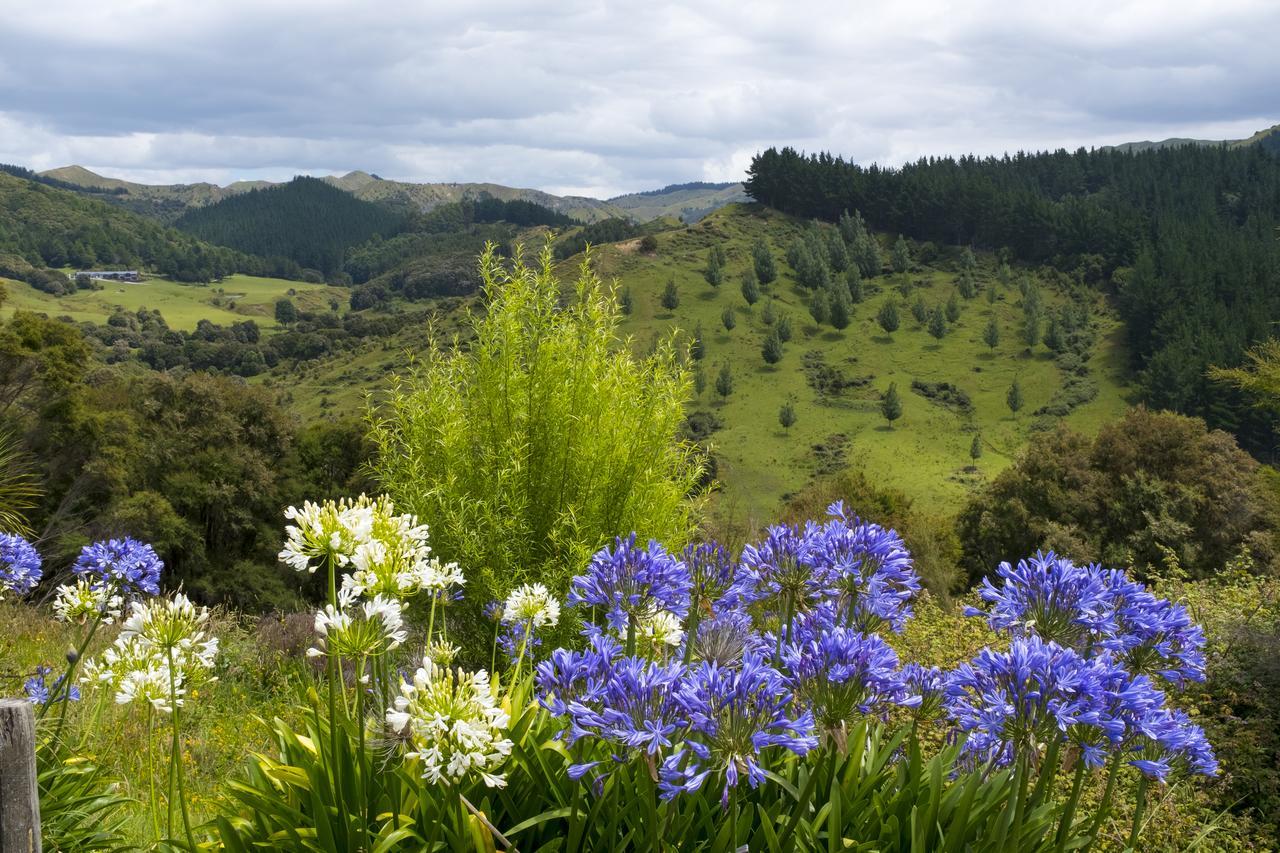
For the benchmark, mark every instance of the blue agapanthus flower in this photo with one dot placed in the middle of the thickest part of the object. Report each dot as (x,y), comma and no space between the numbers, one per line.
(512,640)
(38,692)
(727,638)
(842,675)
(19,564)
(1050,597)
(127,566)
(1007,702)
(717,585)
(868,570)
(1153,635)
(632,583)
(734,715)
(929,683)
(1175,745)
(780,569)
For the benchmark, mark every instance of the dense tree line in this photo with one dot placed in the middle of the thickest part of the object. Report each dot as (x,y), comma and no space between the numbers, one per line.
(46,227)
(604,231)
(1186,237)
(306,221)
(198,464)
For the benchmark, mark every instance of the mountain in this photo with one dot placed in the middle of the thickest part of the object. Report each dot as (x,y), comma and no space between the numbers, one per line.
(308,221)
(688,202)
(1268,139)
(168,202)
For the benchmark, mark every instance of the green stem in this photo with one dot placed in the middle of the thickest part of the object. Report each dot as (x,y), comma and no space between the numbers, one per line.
(524,644)
(1069,813)
(177,757)
(1141,807)
(631,635)
(1104,805)
(1048,773)
(64,685)
(151,773)
(334,672)
(360,768)
(691,631)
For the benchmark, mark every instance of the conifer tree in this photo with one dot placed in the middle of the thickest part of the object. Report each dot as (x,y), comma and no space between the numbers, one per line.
(728,319)
(837,253)
(968,261)
(868,252)
(787,415)
(762,261)
(901,257)
(699,381)
(696,348)
(953,309)
(1053,337)
(854,280)
(1031,331)
(750,288)
(891,405)
(975,449)
(920,311)
(937,324)
(286,312)
(820,307)
(671,295)
(770,314)
(888,316)
(991,335)
(784,327)
(772,349)
(1014,397)
(625,302)
(724,381)
(841,313)
(965,285)
(714,273)
(991,294)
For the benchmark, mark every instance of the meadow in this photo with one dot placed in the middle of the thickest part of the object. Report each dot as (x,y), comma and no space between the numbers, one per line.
(760,461)
(233,299)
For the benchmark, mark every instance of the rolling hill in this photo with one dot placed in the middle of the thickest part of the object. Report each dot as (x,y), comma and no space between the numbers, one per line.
(1268,138)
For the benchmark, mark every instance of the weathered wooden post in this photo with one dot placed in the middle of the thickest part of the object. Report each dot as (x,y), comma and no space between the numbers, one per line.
(19,797)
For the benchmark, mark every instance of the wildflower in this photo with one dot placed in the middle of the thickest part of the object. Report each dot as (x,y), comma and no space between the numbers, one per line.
(453,723)
(366,629)
(531,604)
(125,566)
(868,570)
(85,601)
(1051,597)
(716,583)
(842,674)
(493,611)
(733,715)
(571,677)
(392,556)
(38,692)
(516,639)
(19,565)
(633,583)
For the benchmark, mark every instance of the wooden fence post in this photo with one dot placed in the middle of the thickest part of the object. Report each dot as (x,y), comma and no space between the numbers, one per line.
(19,797)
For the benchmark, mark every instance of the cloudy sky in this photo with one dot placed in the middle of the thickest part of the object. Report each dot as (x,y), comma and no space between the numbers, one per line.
(600,98)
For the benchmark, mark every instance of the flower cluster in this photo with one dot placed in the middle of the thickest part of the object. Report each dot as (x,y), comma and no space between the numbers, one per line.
(39,692)
(19,565)
(531,604)
(83,602)
(125,567)
(162,651)
(358,629)
(632,584)
(452,723)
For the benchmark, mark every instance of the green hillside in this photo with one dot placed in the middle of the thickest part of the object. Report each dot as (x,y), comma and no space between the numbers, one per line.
(926,453)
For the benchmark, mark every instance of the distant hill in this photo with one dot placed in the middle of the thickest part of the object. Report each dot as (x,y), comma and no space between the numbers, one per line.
(307,220)
(169,202)
(689,202)
(1268,139)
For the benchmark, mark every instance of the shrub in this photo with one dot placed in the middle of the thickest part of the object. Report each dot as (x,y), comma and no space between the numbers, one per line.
(542,438)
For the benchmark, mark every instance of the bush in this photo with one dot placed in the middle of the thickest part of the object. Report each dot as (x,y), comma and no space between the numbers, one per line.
(540,440)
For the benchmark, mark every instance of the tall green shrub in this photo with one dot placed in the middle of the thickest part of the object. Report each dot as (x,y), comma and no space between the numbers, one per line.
(542,437)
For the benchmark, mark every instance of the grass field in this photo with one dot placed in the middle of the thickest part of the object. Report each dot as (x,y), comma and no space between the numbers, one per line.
(235,298)
(926,452)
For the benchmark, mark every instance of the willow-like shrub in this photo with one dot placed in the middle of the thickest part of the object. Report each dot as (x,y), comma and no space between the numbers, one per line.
(535,442)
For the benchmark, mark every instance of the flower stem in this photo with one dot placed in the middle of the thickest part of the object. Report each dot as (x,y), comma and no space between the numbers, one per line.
(177,757)
(1069,813)
(1104,805)
(1138,809)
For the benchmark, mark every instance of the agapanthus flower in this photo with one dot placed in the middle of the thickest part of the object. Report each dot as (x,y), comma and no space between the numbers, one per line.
(570,677)
(19,565)
(1006,702)
(493,610)
(125,566)
(453,724)
(325,532)
(359,629)
(1174,745)
(780,568)
(1051,597)
(734,715)
(632,583)
(716,584)
(516,639)
(1152,635)
(392,556)
(842,675)
(38,692)
(532,604)
(85,601)
(726,638)
(929,683)
(163,649)
(660,631)
(868,570)
(441,652)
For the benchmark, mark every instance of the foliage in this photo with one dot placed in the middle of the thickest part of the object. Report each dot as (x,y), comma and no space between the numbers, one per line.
(543,437)
(1147,485)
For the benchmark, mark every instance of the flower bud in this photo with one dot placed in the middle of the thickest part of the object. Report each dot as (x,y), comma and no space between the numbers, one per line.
(72,655)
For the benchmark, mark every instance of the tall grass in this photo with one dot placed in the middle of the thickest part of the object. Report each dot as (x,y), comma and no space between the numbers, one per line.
(535,442)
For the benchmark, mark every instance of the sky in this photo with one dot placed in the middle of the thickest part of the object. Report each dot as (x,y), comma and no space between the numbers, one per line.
(602,98)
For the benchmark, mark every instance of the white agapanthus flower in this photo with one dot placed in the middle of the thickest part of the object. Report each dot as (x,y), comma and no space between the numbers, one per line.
(441,652)
(81,602)
(531,604)
(326,531)
(453,725)
(356,630)
(162,650)
(661,629)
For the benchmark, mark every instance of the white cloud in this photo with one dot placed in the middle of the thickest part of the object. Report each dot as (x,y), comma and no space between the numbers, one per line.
(609,97)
